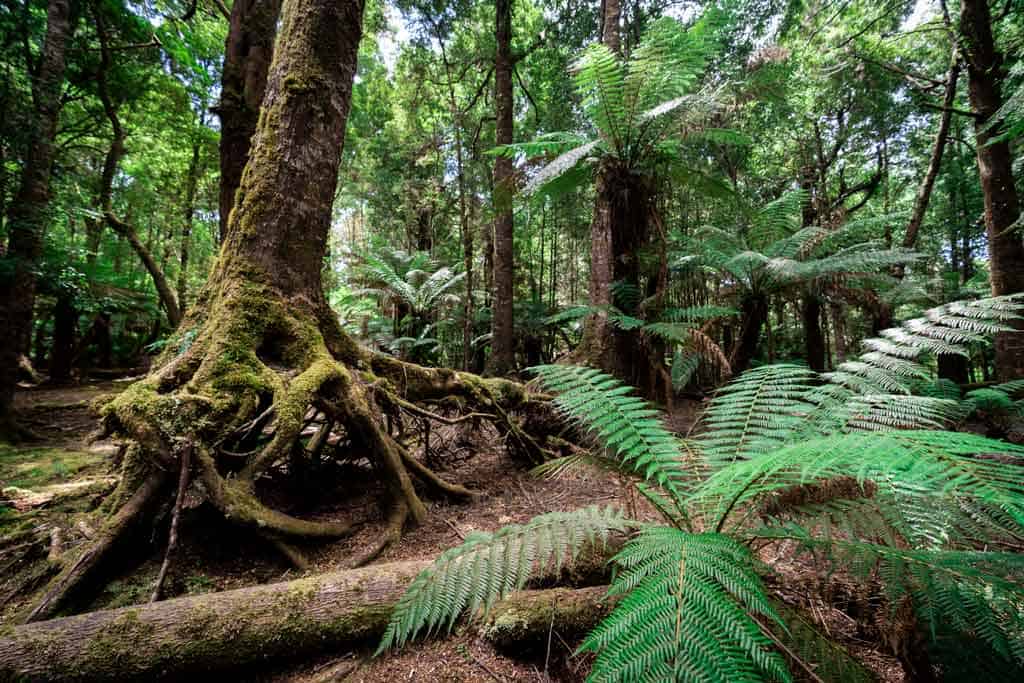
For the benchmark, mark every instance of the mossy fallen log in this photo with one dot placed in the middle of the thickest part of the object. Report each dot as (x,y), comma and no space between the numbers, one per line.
(525,621)
(248,626)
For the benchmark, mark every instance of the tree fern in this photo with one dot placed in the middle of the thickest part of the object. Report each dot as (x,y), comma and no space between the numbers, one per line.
(785,455)
(488,567)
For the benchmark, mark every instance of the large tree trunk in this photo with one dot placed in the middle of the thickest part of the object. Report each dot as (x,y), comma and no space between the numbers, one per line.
(27,220)
(502,358)
(619,229)
(202,634)
(247,54)
(260,348)
(985,71)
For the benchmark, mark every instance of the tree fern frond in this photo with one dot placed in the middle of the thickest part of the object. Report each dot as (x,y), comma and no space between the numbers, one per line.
(686,614)
(560,165)
(625,425)
(930,465)
(488,567)
(756,412)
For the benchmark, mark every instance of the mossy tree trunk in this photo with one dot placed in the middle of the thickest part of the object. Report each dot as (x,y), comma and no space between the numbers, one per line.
(260,349)
(247,627)
(248,49)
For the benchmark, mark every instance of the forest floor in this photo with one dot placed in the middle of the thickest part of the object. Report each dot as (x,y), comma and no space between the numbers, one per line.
(214,556)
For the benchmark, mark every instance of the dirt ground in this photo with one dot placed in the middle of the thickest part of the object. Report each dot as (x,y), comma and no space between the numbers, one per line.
(215,556)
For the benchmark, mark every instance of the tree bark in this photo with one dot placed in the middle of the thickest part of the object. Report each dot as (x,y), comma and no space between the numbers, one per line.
(201,634)
(65,326)
(248,51)
(186,229)
(610,25)
(753,315)
(502,359)
(985,73)
(28,215)
(814,338)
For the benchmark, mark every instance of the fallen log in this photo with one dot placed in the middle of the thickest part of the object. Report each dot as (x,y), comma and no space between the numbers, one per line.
(238,628)
(525,621)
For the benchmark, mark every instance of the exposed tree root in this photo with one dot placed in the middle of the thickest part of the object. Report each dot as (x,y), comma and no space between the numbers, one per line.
(172,536)
(392,535)
(85,565)
(253,383)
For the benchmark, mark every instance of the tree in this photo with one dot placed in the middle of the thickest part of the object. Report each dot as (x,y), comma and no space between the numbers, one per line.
(260,345)
(985,74)
(639,108)
(248,50)
(27,218)
(502,358)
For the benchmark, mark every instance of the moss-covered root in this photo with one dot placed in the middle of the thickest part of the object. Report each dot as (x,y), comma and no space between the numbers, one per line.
(83,567)
(526,621)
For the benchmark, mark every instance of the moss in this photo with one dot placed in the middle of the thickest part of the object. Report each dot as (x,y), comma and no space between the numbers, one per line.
(35,467)
(121,639)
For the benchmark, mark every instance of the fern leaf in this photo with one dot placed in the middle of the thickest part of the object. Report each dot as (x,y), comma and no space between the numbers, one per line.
(686,614)
(488,567)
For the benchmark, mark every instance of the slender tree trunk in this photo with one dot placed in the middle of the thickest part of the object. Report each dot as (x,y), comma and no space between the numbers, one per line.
(502,359)
(110,164)
(247,54)
(610,25)
(839,329)
(753,314)
(28,216)
(65,326)
(986,72)
(924,192)
(814,338)
(186,229)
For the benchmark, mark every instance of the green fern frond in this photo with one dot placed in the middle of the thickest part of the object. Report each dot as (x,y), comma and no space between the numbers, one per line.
(561,165)
(924,465)
(624,425)
(692,314)
(487,567)
(686,614)
(757,412)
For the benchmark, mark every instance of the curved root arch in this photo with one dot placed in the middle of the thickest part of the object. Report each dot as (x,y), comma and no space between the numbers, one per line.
(237,387)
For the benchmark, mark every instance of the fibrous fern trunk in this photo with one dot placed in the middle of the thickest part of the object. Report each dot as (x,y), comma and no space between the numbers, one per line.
(260,348)
(619,230)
